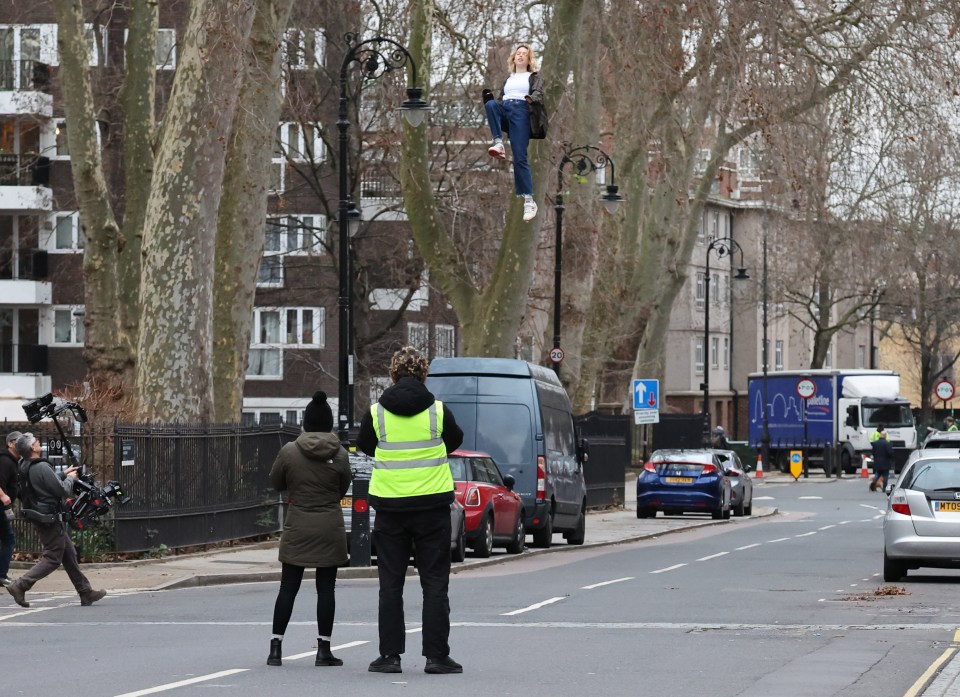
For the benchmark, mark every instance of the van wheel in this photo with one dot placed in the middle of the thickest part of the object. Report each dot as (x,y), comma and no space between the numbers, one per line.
(577,535)
(484,545)
(519,540)
(544,536)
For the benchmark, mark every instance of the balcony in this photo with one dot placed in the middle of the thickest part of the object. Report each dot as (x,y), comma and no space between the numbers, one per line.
(22,85)
(25,184)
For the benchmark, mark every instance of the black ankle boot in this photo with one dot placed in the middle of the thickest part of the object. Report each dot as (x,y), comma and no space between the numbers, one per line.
(274,658)
(324,657)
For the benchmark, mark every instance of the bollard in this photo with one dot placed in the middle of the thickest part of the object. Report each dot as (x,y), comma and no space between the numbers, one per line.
(360,524)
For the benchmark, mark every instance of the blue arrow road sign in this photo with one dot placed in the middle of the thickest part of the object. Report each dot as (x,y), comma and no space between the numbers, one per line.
(646,394)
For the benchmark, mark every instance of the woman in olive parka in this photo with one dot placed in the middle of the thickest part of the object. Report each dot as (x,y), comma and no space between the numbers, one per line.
(314,470)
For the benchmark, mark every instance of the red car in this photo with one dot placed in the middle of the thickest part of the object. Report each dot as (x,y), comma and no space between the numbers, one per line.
(494,512)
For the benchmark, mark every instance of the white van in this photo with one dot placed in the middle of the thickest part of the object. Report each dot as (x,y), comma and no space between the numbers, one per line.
(519,413)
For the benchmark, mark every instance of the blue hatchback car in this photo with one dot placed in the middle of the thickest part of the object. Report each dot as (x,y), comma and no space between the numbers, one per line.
(683,481)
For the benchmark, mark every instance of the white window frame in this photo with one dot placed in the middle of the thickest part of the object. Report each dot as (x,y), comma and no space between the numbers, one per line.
(48,47)
(699,290)
(299,61)
(76,233)
(861,356)
(296,146)
(317,326)
(308,231)
(778,355)
(715,352)
(445,343)
(418,336)
(257,346)
(77,331)
(170,56)
(88,33)
(698,355)
(726,353)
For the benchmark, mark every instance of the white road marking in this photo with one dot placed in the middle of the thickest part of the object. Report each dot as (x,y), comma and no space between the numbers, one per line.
(535,606)
(779,539)
(866,505)
(307,654)
(827,527)
(740,549)
(182,683)
(669,568)
(807,534)
(919,626)
(809,498)
(713,556)
(606,583)
(843,522)
(764,498)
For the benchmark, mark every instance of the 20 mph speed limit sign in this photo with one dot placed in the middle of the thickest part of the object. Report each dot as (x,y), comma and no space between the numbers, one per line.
(945,390)
(557,354)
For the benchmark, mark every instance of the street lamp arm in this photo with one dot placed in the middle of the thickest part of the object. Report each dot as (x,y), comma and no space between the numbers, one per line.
(376,56)
(585,159)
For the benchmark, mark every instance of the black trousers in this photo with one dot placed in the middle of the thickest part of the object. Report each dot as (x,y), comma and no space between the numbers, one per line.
(290,578)
(395,535)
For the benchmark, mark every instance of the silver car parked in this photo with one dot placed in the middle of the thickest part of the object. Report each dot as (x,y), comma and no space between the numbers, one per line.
(922,524)
(741,486)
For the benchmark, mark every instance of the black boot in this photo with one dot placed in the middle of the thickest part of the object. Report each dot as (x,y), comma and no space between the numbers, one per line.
(274,658)
(324,657)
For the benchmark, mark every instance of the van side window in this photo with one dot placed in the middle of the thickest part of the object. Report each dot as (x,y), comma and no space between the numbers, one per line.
(558,427)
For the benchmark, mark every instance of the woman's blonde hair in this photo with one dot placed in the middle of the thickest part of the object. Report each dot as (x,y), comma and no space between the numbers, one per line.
(531,63)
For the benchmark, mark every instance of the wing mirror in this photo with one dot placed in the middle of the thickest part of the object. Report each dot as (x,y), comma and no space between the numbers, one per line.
(509,481)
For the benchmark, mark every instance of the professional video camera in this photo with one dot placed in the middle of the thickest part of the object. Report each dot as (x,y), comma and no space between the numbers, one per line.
(90,501)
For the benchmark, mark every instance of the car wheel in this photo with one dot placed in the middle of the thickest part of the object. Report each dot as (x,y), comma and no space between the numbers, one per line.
(519,540)
(748,508)
(646,513)
(579,533)
(484,544)
(893,570)
(739,509)
(717,514)
(459,552)
(544,536)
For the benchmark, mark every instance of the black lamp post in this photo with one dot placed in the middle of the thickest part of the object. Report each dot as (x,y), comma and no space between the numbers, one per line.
(722,247)
(376,57)
(765,428)
(585,159)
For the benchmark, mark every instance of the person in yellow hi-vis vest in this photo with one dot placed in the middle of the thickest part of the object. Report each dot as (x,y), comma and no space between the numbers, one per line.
(409,433)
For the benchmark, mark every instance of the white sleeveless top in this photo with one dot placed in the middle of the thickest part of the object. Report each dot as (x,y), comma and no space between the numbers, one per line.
(517,87)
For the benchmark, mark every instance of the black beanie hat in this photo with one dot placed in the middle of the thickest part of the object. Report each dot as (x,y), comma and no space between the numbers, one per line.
(317,415)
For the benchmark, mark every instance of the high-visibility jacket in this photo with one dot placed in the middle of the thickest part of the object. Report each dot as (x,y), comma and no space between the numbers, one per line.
(410,458)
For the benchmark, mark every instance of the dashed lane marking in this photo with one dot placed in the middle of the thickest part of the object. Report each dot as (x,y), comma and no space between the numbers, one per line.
(535,606)
(606,583)
(669,568)
(183,683)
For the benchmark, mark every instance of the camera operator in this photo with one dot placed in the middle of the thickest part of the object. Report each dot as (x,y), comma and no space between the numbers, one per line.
(8,492)
(43,492)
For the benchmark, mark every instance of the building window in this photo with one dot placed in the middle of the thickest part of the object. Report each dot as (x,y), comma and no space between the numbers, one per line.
(68,325)
(445,342)
(266,356)
(22,48)
(861,356)
(96,43)
(700,289)
(296,234)
(698,355)
(828,359)
(714,352)
(778,355)
(726,353)
(377,386)
(715,288)
(305,327)
(304,48)
(418,336)
(300,142)
(66,235)
(166,49)
(62,148)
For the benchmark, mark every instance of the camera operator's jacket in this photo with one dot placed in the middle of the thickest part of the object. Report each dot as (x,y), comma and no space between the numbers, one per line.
(49,488)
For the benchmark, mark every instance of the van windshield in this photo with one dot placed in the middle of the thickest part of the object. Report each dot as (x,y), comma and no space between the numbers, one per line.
(504,431)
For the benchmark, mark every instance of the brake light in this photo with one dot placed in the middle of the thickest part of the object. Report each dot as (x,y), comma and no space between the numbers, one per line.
(473,497)
(708,469)
(649,467)
(541,478)
(901,508)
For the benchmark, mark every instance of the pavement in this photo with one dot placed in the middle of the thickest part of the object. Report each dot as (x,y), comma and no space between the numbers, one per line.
(254,562)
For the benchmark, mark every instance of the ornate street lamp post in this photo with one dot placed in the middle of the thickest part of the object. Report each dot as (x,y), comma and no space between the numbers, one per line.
(376,57)
(585,159)
(722,247)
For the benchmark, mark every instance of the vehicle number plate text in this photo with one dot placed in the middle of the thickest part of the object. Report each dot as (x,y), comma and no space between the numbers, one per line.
(947,506)
(678,480)
(346,502)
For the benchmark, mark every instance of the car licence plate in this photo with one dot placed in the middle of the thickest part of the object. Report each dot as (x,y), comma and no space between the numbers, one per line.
(947,506)
(346,502)
(678,480)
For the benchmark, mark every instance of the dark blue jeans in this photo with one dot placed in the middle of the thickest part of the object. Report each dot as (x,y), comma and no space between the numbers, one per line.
(516,114)
(8,540)
(394,536)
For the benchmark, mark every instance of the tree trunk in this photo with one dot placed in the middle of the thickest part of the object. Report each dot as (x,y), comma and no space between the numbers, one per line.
(175,369)
(240,228)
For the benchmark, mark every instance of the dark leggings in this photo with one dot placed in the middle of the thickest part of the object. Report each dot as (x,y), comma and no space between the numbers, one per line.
(290,579)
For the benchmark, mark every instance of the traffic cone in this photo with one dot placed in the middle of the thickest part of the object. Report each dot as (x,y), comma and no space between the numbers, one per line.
(863,467)
(759,472)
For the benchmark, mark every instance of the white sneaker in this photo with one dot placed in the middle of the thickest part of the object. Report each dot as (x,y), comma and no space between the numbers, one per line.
(529,210)
(496,150)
